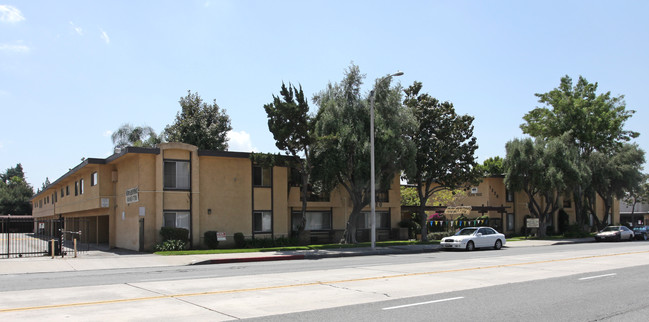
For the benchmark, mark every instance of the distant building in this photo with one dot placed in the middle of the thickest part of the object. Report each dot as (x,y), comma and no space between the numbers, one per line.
(634,216)
(507,210)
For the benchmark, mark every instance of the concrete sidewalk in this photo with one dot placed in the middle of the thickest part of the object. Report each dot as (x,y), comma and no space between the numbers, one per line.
(120,259)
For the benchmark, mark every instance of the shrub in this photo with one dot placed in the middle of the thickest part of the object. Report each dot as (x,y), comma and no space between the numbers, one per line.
(574,231)
(211,240)
(170,245)
(173,233)
(239,240)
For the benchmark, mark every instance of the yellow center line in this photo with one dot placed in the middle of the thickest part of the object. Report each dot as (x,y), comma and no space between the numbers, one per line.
(265,288)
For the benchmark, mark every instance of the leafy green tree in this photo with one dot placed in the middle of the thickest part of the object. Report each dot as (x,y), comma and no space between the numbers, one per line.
(410,197)
(342,153)
(638,195)
(129,135)
(203,125)
(292,128)
(594,123)
(614,174)
(492,167)
(15,192)
(543,170)
(445,148)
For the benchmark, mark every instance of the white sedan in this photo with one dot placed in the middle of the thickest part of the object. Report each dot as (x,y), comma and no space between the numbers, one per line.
(474,237)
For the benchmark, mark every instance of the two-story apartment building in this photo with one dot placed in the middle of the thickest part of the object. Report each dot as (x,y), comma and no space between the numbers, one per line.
(126,198)
(508,209)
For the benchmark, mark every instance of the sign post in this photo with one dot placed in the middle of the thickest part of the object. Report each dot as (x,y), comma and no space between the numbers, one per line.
(532,223)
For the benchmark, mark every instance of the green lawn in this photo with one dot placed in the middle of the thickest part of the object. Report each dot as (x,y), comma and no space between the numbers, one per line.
(279,249)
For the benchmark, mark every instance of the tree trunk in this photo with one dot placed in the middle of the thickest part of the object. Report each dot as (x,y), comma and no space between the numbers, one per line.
(350,230)
(423,221)
(304,191)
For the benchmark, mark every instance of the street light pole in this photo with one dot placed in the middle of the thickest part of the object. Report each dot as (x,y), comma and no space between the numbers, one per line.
(372,174)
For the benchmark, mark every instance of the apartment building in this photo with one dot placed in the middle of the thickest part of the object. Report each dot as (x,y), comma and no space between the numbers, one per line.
(126,198)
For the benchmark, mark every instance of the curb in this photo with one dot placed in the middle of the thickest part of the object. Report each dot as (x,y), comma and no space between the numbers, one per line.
(249,259)
(334,254)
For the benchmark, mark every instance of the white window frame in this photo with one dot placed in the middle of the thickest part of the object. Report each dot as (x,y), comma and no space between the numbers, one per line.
(366,220)
(266,174)
(181,180)
(323,222)
(181,219)
(266,218)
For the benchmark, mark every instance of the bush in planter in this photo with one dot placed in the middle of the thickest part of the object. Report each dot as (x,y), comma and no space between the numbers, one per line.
(239,240)
(211,240)
(173,233)
(170,245)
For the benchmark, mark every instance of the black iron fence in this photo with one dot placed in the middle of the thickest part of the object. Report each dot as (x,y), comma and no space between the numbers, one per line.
(21,237)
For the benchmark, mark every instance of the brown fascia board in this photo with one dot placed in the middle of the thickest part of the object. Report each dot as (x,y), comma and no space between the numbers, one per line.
(115,156)
(233,154)
(227,154)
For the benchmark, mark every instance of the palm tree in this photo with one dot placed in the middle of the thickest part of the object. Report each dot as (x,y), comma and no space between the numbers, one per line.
(142,136)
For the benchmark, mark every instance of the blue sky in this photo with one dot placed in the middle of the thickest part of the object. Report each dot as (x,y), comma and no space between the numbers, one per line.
(73,71)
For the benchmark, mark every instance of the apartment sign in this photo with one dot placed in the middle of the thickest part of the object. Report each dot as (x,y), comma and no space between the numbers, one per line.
(532,223)
(458,210)
(132,195)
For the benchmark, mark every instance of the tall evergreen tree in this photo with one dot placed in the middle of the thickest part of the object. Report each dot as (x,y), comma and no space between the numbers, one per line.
(15,192)
(445,148)
(292,128)
(203,125)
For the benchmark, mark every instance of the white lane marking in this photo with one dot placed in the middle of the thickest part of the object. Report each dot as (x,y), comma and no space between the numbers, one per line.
(422,303)
(598,276)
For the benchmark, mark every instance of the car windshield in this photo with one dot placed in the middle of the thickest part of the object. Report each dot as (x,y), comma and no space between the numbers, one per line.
(611,228)
(466,232)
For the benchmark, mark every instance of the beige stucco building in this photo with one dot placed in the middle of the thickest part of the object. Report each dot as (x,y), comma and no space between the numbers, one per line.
(508,210)
(126,198)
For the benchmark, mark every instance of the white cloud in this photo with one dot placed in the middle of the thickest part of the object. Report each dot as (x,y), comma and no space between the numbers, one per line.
(104,36)
(240,141)
(10,14)
(14,48)
(76,28)
(108,133)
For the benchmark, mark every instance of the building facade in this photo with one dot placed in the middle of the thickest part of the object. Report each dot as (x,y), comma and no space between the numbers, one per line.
(634,215)
(508,210)
(126,198)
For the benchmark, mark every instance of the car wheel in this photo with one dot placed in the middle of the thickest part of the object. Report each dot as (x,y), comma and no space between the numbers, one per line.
(498,245)
(470,246)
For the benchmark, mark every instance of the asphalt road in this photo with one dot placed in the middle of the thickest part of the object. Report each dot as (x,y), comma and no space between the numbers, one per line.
(617,295)
(527,283)
(33,281)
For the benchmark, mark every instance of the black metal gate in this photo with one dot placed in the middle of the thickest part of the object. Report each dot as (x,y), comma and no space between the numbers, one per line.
(20,237)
